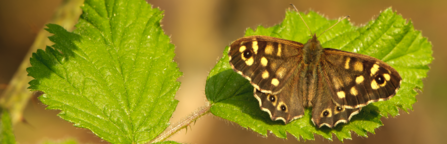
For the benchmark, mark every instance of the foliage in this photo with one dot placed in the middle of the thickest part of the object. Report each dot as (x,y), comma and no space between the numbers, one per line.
(389,38)
(113,75)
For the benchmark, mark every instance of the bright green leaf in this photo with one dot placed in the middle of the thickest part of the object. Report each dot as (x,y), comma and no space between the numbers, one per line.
(114,74)
(389,38)
(6,133)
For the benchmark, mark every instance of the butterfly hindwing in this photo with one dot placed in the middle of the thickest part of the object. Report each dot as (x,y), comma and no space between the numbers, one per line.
(267,62)
(325,111)
(357,80)
(285,106)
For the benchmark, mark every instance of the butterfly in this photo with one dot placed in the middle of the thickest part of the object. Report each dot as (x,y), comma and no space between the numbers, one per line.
(289,76)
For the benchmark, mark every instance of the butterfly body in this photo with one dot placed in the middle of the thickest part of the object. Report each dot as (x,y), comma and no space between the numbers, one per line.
(289,76)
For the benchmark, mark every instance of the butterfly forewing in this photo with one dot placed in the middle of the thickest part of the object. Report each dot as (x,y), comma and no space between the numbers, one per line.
(266,62)
(357,80)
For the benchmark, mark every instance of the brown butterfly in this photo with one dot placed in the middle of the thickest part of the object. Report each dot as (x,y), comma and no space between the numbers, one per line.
(289,76)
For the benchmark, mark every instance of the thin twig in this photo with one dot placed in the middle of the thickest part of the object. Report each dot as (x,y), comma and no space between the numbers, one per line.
(182,124)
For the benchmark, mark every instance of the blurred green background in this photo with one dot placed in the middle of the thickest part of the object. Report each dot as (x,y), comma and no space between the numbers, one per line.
(200,30)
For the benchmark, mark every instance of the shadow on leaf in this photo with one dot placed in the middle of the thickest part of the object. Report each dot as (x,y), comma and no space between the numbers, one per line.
(60,52)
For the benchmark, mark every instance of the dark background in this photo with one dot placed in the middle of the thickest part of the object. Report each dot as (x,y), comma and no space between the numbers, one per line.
(201,29)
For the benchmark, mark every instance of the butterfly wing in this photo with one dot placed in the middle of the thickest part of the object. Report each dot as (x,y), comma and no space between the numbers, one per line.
(348,81)
(267,62)
(287,105)
(357,80)
(325,111)
(328,113)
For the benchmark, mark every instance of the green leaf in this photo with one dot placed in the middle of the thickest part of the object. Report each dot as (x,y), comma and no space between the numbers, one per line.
(113,75)
(6,133)
(389,38)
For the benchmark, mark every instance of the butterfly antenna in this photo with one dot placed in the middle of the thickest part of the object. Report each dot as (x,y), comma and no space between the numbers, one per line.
(339,20)
(301,18)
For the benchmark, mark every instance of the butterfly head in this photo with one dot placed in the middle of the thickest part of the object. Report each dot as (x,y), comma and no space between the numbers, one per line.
(314,39)
(313,44)
(312,49)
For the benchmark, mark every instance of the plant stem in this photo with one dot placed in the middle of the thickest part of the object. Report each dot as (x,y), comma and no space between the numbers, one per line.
(171,130)
(16,95)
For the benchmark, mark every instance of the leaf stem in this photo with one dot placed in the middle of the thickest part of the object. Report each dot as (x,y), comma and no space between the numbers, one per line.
(171,130)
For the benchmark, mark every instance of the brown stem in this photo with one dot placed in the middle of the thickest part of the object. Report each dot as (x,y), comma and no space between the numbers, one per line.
(182,124)
(16,95)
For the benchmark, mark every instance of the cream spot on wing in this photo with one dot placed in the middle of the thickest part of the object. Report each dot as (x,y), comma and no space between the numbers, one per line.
(269,48)
(275,82)
(347,80)
(342,108)
(326,110)
(281,72)
(384,83)
(374,85)
(354,91)
(359,79)
(374,69)
(273,102)
(387,77)
(337,83)
(242,56)
(273,65)
(347,63)
(249,62)
(242,48)
(255,47)
(282,104)
(265,74)
(229,58)
(264,61)
(341,94)
(336,111)
(358,66)
(279,50)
